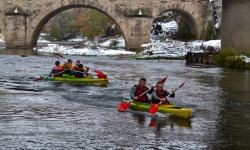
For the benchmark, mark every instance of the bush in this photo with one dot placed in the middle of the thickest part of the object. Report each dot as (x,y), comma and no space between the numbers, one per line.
(231,58)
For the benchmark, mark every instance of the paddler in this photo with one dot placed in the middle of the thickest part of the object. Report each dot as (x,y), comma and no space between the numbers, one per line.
(139,91)
(56,71)
(67,66)
(78,62)
(160,95)
(79,72)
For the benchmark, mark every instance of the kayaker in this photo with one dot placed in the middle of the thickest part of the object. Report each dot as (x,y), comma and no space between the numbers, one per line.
(56,71)
(79,72)
(78,62)
(67,66)
(160,95)
(139,89)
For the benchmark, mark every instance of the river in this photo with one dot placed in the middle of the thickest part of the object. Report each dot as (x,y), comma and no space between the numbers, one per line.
(56,115)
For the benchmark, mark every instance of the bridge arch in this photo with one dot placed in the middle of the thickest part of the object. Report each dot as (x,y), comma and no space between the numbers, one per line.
(45,15)
(193,17)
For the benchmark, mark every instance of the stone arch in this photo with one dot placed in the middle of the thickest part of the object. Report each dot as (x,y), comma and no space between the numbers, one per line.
(194,19)
(45,15)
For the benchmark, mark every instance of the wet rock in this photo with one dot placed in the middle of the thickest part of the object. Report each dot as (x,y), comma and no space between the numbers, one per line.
(23,55)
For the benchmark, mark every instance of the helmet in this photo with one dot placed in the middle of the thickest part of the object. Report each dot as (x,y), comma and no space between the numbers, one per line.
(57,62)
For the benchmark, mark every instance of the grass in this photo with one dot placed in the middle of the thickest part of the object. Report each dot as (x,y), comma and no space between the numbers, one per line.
(230,57)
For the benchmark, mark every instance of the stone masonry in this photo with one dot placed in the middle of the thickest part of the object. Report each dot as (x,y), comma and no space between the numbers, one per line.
(21,21)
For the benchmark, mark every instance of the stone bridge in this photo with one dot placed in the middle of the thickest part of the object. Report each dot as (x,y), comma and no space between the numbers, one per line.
(21,21)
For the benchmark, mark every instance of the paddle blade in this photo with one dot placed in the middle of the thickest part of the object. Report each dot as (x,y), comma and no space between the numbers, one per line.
(38,79)
(102,76)
(123,106)
(98,72)
(164,79)
(59,55)
(182,84)
(153,108)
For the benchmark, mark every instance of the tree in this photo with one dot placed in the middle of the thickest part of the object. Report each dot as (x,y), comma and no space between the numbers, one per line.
(64,26)
(184,30)
(95,23)
(74,22)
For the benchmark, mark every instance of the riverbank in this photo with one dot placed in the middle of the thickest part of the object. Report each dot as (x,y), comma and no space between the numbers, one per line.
(116,46)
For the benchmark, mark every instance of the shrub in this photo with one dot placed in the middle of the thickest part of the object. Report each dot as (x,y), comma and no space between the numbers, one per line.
(231,58)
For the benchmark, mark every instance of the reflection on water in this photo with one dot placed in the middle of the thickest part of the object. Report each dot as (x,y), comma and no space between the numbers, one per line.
(235,114)
(159,122)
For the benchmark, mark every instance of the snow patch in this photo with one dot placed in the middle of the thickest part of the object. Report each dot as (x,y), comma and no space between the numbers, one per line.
(55,48)
(2,41)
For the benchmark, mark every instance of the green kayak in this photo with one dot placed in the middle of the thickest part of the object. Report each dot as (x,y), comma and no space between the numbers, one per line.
(171,109)
(86,80)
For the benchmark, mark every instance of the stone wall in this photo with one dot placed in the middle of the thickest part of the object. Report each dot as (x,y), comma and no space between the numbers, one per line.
(135,27)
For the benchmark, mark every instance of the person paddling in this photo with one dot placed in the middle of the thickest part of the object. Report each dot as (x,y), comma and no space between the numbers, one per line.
(67,66)
(77,65)
(138,90)
(160,95)
(79,72)
(56,71)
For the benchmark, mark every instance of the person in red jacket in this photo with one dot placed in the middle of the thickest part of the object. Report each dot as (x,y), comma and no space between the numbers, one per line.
(57,71)
(160,95)
(138,90)
(79,72)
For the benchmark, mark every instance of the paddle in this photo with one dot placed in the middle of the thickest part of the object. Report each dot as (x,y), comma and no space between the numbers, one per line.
(56,54)
(125,105)
(39,79)
(98,72)
(100,76)
(154,108)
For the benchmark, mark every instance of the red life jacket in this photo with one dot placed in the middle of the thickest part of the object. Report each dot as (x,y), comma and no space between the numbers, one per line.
(161,94)
(58,69)
(139,91)
(80,73)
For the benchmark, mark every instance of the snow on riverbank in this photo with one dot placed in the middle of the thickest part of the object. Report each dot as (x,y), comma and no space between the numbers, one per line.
(87,51)
(92,48)
(169,48)
(120,42)
(172,48)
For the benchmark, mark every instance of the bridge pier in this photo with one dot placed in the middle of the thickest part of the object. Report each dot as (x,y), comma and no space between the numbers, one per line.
(16,27)
(137,32)
(235,24)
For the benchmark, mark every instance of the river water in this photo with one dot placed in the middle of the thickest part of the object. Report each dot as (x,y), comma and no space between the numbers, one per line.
(56,115)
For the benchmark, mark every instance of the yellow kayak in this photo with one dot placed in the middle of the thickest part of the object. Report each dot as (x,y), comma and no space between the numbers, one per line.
(171,109)
(87,80)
